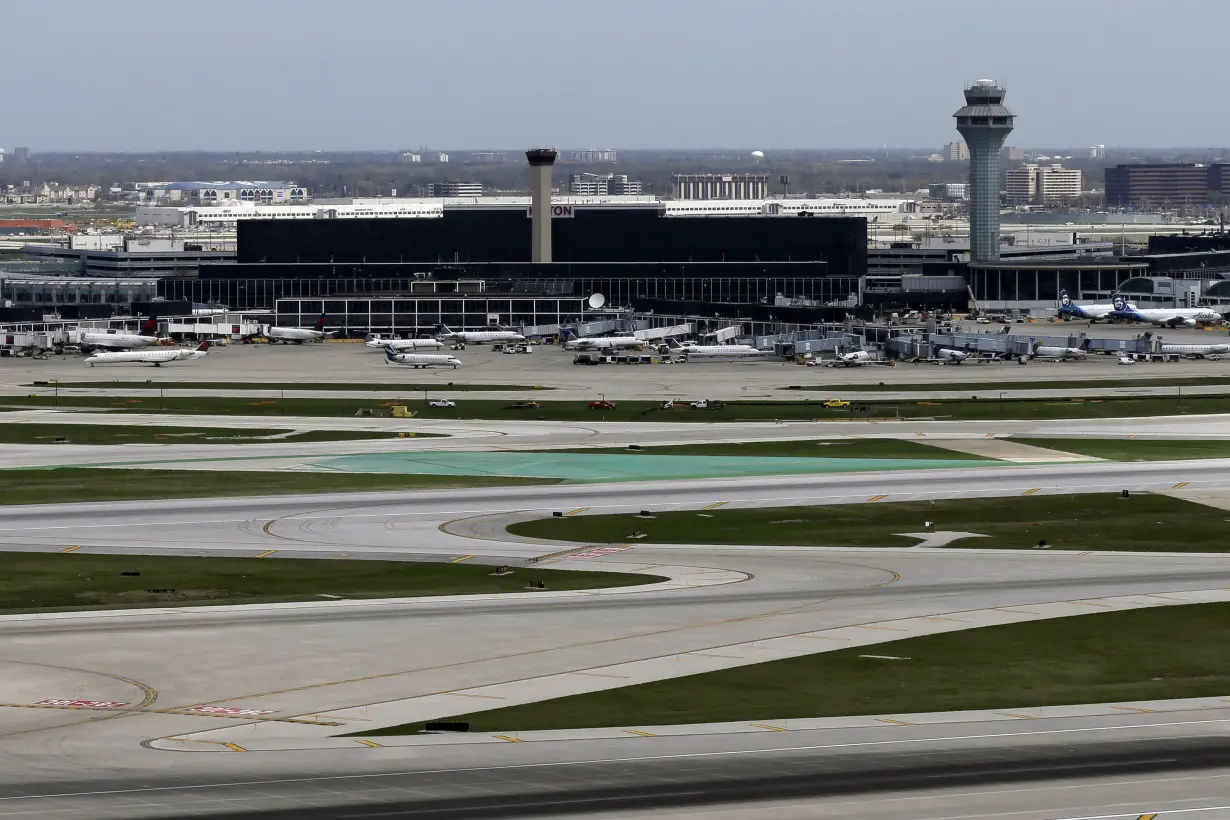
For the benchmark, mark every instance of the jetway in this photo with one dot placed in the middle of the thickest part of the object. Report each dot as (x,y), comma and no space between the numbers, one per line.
(724,334)
(1011,345)
(232,325)
(656,333)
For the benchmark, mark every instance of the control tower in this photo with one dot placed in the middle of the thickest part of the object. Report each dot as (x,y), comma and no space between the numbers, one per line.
(541,160)
(985,123)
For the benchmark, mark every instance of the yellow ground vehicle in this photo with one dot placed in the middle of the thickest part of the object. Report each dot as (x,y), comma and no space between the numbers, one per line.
(836,404)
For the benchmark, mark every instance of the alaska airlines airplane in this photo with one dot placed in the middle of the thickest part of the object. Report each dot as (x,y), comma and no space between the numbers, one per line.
(478,336)
(402,345)
(713,351)
(602,342)
(1091,312)
(154,357)
(422,360)
(1166,317)
(90,340)
(298,335)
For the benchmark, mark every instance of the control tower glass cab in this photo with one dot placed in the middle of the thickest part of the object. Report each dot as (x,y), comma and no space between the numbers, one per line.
(984,122)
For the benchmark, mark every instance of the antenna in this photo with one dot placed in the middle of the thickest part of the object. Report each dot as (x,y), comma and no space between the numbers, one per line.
(596,301)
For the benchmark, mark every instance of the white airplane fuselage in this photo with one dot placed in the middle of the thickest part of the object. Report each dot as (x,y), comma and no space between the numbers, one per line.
(154,357)
(293,334)
(423,360)
(604,343)
(405,345)
(1196,351)
(476,337)
(118,341)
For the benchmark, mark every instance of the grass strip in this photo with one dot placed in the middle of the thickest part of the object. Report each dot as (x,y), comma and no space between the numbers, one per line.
(1090,521)
(40,582)
(1098,658)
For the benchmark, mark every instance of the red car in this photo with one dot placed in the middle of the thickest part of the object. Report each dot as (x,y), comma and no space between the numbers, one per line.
(602,404)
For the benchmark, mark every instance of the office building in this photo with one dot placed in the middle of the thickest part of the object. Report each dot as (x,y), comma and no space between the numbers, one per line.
(603,185)
(948,191)
(1097,152)
(21,154)
(719,186)
(985,123)
(594,155)
(438,189)
(955,152)
(411,158)
(1034,184)
(1159,185)
(487,157)
(1219,179)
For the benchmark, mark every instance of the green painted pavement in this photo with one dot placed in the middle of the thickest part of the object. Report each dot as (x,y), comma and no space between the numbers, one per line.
(618,467)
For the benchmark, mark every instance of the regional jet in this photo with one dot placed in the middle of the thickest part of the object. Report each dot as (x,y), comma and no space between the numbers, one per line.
(1041,351)
(402,345)
(298,335)
(422,360)
(946,355)
(1166,317)
(478,336)
(90,340)
(713,351)
(154,357)
(602,342)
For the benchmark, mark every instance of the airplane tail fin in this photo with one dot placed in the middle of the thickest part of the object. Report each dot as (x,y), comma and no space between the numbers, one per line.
(150,326)
(1087,344)
(203,347)
(672,343)
(320,323)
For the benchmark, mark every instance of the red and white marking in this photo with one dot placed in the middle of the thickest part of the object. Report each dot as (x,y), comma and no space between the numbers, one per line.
(596,553)
(229,711)
(83,704)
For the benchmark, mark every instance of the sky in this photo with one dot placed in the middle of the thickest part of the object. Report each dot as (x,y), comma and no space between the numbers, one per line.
(227,75)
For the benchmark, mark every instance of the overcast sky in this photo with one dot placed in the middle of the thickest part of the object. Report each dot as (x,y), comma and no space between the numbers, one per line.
(322,74)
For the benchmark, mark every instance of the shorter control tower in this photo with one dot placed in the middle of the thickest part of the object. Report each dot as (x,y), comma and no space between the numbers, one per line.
(541,160)
(984,122)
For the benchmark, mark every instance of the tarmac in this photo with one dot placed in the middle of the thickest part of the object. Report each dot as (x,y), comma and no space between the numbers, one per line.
(98,710)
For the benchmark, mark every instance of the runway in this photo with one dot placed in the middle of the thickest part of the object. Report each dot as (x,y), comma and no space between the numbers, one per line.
(280,675)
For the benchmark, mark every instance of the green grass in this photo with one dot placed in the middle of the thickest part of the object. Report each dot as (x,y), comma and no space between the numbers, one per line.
(1136,449)
(1087,381)
(142,434)
(833,448)
(80,484)
(1101,521)
(1113,656)
(150,384)
(803,410)
(57,581)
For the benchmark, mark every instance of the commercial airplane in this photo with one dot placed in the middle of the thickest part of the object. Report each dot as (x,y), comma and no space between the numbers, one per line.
(423,360)
(478,336)
(1093,313)
(713,351)
(857,359)
(1197,351)
(1166,317)
(402,345)
(1041,351)
(154,357)
(89,340)
(298,335)
(946,355)
(602,342)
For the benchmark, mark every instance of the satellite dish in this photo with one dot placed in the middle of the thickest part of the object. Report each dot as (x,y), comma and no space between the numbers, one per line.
(596,301)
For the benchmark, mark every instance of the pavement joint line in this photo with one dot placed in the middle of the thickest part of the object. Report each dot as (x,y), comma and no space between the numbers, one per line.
(1017,715)
(711,655)
(266,553)
(371,743)
(599,675)
(639,733)
(472,695)
(769,727)
(1134,709)
(1090,603)
(884,628)
(71,549)
(823,637)
(1013,610)
(462,558)
(895,722)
